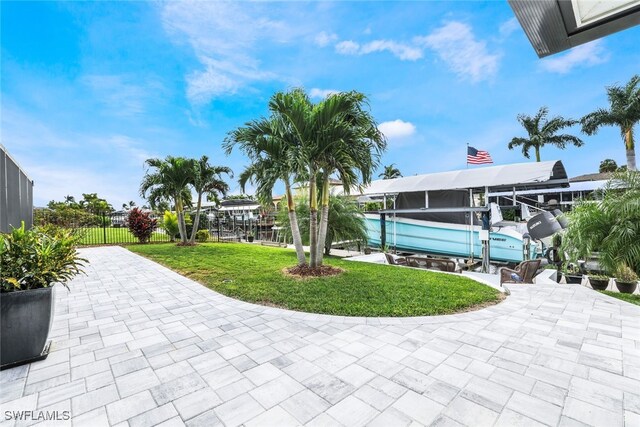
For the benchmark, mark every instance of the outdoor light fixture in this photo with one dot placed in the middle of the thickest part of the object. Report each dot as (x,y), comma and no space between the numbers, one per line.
(556,25)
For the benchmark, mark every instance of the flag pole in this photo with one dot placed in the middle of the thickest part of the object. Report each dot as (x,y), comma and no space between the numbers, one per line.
(465,156)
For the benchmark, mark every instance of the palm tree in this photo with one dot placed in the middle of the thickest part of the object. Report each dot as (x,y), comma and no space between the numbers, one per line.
(623,112)
(207,179)
(610,226)
(170,180)
(346,221)
(543,131)
(273,151)
(337,136)
(350,147)
(390,172)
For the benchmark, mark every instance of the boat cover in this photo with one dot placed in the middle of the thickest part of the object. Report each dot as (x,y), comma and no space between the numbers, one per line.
(522,176)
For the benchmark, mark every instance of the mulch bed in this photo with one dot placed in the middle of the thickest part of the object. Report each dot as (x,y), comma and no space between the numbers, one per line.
(304,271)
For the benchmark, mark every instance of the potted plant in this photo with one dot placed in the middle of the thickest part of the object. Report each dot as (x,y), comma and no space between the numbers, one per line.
(626,279)
(572,274)
(31,263)
(250,236)
(599,282)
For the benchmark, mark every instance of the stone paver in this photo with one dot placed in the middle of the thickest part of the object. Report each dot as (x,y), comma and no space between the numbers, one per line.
(137,344)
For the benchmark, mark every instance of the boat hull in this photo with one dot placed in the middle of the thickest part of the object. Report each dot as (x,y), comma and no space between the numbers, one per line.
(445,239)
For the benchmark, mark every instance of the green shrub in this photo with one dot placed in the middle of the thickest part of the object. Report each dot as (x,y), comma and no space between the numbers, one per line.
(188,222)
(202,236)
(625,274)
(38,258)
(66,217)
(170,224)
(104,221)
(610,227)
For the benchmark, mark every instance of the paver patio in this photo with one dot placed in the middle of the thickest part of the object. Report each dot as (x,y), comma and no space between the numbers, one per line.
(137,344)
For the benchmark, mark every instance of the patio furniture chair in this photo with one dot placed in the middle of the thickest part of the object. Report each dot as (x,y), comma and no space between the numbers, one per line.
(523,273)
(439,264)
(395,260)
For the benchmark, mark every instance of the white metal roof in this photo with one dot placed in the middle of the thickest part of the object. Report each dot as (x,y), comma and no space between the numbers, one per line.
(239,208)
(520,175)
(574,187)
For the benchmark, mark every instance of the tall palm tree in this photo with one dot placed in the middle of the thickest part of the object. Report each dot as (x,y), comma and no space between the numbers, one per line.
(390,172)
(337,136)
(207,179)
(170,179)
(543,131)
(623,112)
(349,147)
(270,145)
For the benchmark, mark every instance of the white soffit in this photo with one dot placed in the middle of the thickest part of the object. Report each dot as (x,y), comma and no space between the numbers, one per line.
(589,11)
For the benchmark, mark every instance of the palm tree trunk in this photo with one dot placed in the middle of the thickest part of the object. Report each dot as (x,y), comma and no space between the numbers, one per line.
(631,149)
(313,221)
(324,221)
(196,222)
(181,224)
(537,153)
(293,223)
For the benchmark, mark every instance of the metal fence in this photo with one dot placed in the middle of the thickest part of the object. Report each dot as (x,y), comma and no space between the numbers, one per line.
(16,194)
(102,228)
(111,228)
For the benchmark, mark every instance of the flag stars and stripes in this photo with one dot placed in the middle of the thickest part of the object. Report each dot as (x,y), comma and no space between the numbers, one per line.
(478,157)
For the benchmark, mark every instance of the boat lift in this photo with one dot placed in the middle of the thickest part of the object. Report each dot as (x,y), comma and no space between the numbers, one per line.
(513,178)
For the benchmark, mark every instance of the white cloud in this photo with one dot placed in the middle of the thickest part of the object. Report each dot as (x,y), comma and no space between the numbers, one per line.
(458,47)
(397,129)
(400,50)
(225,36)
(347,47)
(126,147)
(586,55)
(454,43)
(508,27)
(321,93)
(119,95)
(324,39)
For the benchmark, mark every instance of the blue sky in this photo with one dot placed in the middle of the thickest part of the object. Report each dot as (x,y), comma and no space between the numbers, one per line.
(91,89)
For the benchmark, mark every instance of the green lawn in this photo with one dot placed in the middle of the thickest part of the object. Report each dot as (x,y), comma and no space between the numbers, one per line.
(95,236)
(254,273)
(632,298)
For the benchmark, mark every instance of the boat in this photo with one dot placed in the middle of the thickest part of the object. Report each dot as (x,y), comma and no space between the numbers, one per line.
(448,213)
(447,239)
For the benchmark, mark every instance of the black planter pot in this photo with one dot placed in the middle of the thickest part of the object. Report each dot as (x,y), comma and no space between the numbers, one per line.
(573,279)
(25,320)
(599,284)
(249,239)
(626,287)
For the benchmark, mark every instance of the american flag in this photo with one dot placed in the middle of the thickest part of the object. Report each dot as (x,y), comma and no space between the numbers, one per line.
(478,157)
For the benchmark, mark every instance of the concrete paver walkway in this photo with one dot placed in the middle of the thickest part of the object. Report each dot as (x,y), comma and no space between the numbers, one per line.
(136,344)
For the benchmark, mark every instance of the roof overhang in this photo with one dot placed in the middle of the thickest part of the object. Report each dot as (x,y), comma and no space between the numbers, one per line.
(239,208)
(574,187)
(553,26)
(519,176)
